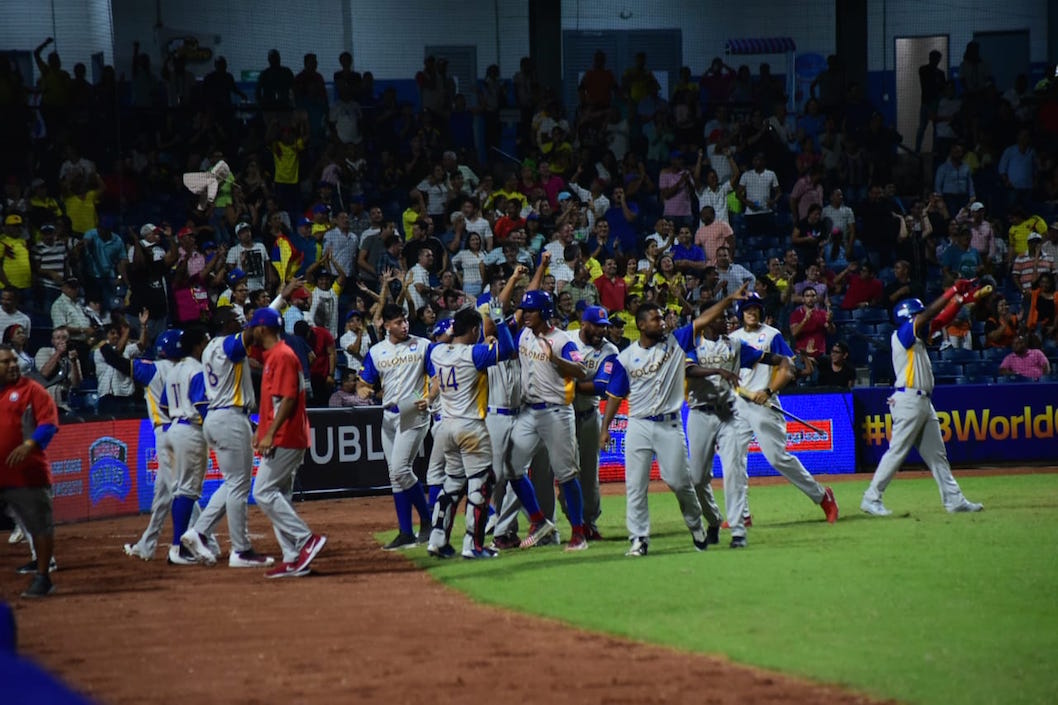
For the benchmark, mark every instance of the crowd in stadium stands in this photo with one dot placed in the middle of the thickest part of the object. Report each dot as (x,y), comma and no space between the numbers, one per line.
(343,198)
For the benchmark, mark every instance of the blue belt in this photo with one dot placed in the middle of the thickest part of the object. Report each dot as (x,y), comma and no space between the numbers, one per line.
(544,405)
(165,426)
(502,411)
(912,390)
(663,417)
(437,418)
(186,422)
(393,409)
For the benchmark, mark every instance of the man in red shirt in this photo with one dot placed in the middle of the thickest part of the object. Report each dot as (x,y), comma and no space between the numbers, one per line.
(612,288)
(809,325)
(864,289)
(282,437)
(25,474)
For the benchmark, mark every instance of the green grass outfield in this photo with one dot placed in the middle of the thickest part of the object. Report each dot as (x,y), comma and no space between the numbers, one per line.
(923,606)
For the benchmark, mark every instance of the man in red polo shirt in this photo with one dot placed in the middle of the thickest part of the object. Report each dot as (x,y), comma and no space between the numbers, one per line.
(28,421)
(612,288)
(282,437)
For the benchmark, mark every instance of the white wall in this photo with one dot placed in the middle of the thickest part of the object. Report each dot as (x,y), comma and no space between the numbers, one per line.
(959,19)
(80,27)
(708,24)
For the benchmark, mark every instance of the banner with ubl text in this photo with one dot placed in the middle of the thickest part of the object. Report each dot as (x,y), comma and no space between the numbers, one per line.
(979,423)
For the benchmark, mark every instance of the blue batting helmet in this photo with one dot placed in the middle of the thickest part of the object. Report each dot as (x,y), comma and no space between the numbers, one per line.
(907,308)
(537,300)
(442,328)
(167,346)
(752,300)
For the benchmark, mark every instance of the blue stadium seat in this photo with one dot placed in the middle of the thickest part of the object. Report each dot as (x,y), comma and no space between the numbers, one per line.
(981,380)
(995,354)
(980,369)
(946,369)
(1009,379)
(859,350)
(934,354)
(841,315)
(871,315)
(885,329)
(978,328)
(959,355)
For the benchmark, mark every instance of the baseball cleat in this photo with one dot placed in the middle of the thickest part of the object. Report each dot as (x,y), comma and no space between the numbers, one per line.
(474,553)
(400,542)
(309,551)
(874,507)
(40,587)
(712,535)
(592,534)
(178,555)
(738,542)
(195,543)
(700,538)
(286,570)
(443,552)
(16,535)
(577,543)
(134,550)
(249,559)
(966,506)
(537,533)
(639,547)
(829,505)
(505,542)
(423,537)
(214,546)
(31,567)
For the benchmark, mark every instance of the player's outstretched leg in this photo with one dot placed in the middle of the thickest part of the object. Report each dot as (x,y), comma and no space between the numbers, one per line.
(909,415)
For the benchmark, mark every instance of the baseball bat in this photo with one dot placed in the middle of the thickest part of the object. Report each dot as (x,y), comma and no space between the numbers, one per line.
(775,407)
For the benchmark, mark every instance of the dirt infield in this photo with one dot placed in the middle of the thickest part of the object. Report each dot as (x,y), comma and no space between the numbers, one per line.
(367,627)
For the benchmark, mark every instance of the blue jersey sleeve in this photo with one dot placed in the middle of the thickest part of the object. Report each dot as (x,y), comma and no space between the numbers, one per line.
(234,348)
(485,356)
(906,333)
(618,385)
(505,341)
(570,352)
(368,373)
(779,346)
(428,359)
(603,376)
(43,434)
(143,371)
(749,355)
(197,394)
(685,337)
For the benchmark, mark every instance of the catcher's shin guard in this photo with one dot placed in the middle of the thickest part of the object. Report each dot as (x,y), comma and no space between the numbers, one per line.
(479,489)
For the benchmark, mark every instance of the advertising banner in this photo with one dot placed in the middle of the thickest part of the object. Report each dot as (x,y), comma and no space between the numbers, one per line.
(94,470)
(979,423)
(832,451)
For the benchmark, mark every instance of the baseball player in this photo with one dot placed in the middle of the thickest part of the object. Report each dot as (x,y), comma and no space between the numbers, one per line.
(597,355)
(712,376)
(651,373)
(229,389)
(435,468)
(152,376)
(398,363)
(185,393)
(758,386)
(914,418)
(282,438)
(550,367)
(460,369)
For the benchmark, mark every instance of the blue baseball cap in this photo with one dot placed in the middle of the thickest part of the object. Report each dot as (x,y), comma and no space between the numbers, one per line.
(234,277)
(597,315)
(564,196)
(266,317)
(352,314)
(321,208)
(442,327)
(304,221)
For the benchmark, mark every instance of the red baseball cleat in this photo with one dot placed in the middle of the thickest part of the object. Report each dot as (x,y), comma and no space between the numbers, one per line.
(829,505)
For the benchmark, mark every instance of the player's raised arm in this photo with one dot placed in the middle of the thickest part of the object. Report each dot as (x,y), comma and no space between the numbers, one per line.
(717,309)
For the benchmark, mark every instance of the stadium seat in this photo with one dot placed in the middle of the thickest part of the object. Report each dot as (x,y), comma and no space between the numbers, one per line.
(841,315)
(1009,379)
(946,369)
(980,369)
(934,354)
(871,315)
(995,354)
(959,355)
(884,329)
(859,350)
(981,380)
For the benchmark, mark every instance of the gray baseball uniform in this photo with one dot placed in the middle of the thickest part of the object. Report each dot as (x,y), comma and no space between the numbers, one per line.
(653,380)
(186,395)
(598,365)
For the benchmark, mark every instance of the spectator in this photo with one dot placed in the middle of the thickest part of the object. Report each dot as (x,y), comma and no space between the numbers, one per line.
(687,256)
(148,270)
(1025,362)
(677,186)
(1049,248)
(16,271)
(322,364)
(864,289)
(954,180)
(813,280)
(839,222)
(712,234)
(325,292)
(759,191)
(81,196)
(960,261)
(470,264)
(346,395)
(1017,168)
(60,367)
(106,262)
(902,286)
(1041,305)
(114,388)
(616,332)
(9,313)
(15,336)
(275,88)
(581,289)
(880,225)
(343,243)
(1028,267)
(810,325)
(931,82)
(1022,226)
(731,275)
(622,216)
(807,192)
(50,261)
(1002,326)
(714,194)
(837,372)
(66,313)
(982,236)
(612,289)
(809,234)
